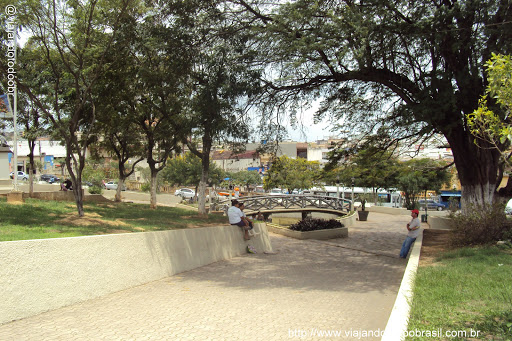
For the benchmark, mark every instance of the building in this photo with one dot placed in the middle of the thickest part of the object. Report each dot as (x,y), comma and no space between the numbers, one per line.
(230,162)
(4,161)
(46,153)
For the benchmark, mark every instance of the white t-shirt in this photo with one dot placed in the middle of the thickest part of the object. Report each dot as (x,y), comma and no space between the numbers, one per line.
(235,215)
(415,223)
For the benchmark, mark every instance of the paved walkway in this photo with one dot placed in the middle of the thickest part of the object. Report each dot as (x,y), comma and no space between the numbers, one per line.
(307,288)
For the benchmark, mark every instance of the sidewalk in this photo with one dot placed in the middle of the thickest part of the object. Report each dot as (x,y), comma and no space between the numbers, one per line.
(307,288)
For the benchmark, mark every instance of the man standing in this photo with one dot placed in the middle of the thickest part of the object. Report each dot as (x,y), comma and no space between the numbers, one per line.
(414,230)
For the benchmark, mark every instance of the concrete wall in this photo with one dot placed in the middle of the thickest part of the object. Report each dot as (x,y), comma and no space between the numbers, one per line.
(41,275)
(440,223)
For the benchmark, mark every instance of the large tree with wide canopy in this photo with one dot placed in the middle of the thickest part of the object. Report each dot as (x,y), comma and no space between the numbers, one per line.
(397,70)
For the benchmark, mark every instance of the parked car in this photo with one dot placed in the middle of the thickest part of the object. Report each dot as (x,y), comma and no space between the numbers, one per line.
(185,193)
(21,176)
(431,204)
(49,178)
(276,191)
(113,185)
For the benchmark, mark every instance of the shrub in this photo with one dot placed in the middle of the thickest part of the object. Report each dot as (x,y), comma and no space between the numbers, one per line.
(95,189)
(481,225)
(145,187)
(311,224)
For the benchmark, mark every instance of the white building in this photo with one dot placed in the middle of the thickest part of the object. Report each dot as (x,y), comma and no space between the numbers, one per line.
(45,151)
(230,162)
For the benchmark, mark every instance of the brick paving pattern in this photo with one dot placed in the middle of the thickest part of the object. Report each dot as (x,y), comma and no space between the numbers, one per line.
(306,288)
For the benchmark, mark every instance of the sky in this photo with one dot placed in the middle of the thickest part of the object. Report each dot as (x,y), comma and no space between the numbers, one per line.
(308,131)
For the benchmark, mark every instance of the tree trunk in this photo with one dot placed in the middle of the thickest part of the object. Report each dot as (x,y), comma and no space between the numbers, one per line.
(120,185)
(152,204)
(202,189)
(31,145)
(31,179)
(477,168)
(79,200)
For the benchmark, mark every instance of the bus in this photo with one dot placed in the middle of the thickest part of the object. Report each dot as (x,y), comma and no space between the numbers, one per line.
(385,198)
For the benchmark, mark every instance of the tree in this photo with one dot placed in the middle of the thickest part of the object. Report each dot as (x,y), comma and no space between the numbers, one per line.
(369,168)
(222,79)
(398,71)
(120,134)
(420,175)
(186,170)
(72,39)
(30,115)
(160,86)
(490,127)
(246,178)
(292,174)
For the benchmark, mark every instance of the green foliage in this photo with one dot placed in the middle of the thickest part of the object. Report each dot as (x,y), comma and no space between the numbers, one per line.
(186,170)
(312,224)
(420,175)
(292,174)
(499,76)
(486,125)
(96,171)
(245,178)
(95,189)
(369,168)
(481,225)
(390,72)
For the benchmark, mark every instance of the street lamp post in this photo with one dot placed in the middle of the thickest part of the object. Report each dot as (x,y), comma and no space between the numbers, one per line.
(338,190)
(353,179)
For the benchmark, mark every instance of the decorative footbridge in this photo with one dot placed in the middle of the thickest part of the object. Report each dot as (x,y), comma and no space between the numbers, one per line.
(303,203)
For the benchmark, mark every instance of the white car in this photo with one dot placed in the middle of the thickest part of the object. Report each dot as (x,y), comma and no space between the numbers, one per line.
(276,191)
(185,193)
(21,175)
(113,185)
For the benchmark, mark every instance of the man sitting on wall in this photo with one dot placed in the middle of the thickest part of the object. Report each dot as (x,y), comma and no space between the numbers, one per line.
(236,217)
(66,185)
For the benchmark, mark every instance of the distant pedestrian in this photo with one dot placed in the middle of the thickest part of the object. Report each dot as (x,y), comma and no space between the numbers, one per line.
(414,230)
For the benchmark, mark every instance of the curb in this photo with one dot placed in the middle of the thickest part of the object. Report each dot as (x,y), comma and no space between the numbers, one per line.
(399,318)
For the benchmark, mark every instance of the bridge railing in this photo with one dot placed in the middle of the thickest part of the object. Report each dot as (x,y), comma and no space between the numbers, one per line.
(269,202)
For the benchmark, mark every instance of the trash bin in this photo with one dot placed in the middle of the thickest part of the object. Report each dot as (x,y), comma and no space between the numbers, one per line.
(423,218)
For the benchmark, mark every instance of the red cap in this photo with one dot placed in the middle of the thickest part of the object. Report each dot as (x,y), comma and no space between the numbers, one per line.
(416,211)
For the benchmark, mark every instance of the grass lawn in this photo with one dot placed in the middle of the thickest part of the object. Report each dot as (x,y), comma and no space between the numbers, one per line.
(37,219)
(462,290)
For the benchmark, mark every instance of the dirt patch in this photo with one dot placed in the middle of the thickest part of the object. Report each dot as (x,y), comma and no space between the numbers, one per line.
(90,219)
(435,242)
(107,205)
